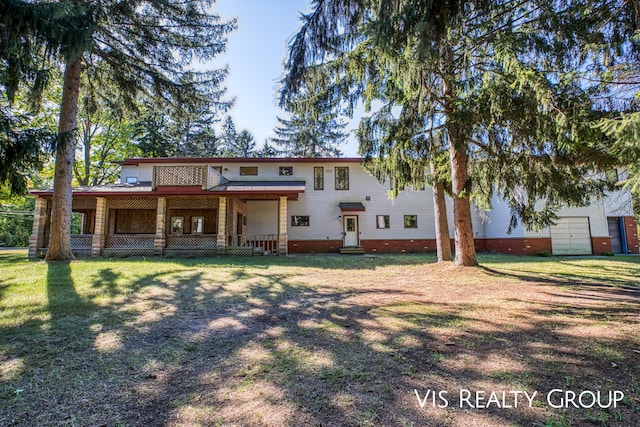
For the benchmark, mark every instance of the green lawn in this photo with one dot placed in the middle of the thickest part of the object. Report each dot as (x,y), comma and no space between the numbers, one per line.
(314,340)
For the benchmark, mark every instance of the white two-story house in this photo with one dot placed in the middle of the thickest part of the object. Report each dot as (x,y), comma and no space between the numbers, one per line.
(243,206)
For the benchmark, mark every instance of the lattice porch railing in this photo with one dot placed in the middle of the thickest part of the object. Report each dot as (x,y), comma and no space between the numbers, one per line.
(179,176)
(128,245)
(81,244)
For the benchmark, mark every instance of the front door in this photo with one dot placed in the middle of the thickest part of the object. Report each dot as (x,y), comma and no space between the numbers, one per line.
(350,230)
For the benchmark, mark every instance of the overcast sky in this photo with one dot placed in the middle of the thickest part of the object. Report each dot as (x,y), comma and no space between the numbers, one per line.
(255,55)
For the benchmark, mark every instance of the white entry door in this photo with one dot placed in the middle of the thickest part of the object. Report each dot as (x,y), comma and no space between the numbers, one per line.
(350,230)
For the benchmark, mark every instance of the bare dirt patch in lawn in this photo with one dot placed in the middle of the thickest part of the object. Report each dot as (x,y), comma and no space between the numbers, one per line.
(317,341)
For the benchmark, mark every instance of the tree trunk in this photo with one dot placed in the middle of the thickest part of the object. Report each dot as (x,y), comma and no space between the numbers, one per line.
(465,247)
(87,153)
(60,239)
(443,241)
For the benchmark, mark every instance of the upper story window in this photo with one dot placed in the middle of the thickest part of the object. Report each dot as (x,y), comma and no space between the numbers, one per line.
(318,178)
(248,170)
(342,178)
(285,170)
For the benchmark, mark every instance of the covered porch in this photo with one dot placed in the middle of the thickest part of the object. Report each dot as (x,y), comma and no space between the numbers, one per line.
(181,225)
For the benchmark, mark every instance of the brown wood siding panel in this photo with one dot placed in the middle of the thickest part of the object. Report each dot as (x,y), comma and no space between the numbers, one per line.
(135,221)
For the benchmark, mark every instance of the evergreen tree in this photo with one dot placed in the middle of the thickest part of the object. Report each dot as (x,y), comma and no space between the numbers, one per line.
(150,135)
(307,136)
(314,129)
(140,47)
(236,144)
(266,150)
(488,82)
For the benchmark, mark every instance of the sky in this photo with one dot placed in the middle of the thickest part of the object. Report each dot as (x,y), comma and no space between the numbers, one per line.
(255,54)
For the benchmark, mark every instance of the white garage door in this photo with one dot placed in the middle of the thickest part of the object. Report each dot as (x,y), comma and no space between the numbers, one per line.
(571,236)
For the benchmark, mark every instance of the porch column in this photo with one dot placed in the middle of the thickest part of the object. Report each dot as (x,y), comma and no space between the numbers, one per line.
(282,226)
(97,242)
(36,241)
(222,225)
(161,220)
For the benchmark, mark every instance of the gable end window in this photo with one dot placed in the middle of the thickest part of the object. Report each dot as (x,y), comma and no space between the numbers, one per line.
(318,178)
(342,178)
(248,170)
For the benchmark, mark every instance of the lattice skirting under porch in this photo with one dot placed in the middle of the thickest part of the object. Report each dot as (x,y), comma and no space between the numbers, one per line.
(191,245)
(128,246)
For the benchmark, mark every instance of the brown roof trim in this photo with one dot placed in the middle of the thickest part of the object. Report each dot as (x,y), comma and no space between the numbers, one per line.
(171,191)
(181,160)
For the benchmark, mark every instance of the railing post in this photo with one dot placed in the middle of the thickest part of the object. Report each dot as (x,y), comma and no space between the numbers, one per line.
(97,241)
(222,225)
(282,226)
(161,220)
(36,241)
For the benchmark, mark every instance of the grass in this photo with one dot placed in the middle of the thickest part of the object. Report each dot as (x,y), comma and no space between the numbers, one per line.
(313,340)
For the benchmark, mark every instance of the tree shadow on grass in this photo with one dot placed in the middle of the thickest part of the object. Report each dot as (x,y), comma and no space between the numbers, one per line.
(240,346)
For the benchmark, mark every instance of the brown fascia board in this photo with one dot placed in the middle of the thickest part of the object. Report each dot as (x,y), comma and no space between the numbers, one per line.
(182,160)
(168,191)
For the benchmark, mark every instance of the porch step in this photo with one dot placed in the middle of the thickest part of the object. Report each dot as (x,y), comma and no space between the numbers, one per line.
(352,250)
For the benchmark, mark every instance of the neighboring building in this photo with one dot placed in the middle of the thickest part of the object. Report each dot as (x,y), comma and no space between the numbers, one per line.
(209,206)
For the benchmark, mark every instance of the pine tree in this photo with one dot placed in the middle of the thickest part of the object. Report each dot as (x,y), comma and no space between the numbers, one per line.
(489,82)
(267,150)
(140,47)
(304,135)
(236,144)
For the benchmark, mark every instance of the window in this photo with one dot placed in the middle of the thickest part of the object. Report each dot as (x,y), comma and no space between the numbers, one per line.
(177,224)
(411,221)
(382,221)
(248,170)
(342,178)
(299,220)
(285,170)
(131,180)
(197,225)
(217,168)
(318,178)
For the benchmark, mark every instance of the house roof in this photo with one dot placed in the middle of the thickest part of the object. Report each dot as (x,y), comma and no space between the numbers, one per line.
(283,188)
(209,160)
